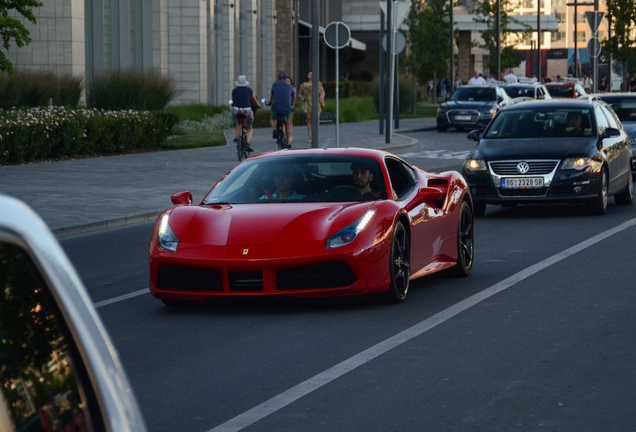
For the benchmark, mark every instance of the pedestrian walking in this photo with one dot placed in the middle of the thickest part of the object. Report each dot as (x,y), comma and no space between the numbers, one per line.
(305,94)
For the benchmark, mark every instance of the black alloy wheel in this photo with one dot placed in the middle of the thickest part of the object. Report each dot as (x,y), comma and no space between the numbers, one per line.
(599,205)
(465,243)
(399,266)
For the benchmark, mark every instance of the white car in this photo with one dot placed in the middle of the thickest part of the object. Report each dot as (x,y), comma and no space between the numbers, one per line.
(58,367)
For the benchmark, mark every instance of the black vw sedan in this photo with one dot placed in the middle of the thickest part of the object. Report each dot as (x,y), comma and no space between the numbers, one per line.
(551,151)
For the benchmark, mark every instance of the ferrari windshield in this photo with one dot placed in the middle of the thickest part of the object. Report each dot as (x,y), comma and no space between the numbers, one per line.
(477,94)
(294,179)
(541,123)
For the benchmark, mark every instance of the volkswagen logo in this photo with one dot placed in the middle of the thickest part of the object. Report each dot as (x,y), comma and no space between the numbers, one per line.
(523,167)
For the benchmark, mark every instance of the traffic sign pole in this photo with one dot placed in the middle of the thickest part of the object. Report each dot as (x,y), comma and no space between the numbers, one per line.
(337,35)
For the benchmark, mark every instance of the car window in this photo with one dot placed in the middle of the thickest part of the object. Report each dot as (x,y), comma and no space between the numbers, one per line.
(311,178)
(402,177)
(611,118)
(540,123)
(625,109)
(43,387)
(517,91)
(485,94)
(601,121)
(561,91)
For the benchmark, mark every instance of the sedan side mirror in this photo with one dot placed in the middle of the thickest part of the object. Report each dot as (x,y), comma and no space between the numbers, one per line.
(610,132)
(474,135)
(184,198)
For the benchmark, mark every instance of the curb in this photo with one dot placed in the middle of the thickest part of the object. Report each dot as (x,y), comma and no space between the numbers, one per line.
(106,224)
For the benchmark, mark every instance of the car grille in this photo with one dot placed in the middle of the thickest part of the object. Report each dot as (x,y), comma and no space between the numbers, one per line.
(474,116)
(181,278)
(245,281)
(325,275)
(537,167)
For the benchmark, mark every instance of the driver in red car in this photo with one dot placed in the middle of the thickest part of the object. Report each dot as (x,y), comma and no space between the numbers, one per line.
(361,176)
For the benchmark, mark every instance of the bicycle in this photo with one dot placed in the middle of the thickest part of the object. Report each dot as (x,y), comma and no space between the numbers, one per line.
(241,145)
(281,125)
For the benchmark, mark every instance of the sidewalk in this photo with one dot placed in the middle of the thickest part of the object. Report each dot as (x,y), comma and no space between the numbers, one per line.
(84,195)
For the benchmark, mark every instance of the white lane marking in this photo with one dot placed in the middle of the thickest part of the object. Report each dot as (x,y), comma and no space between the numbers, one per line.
(436,154)
(287,397)
(121,298)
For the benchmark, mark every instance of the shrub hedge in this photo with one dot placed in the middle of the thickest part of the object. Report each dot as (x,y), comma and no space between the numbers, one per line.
(35,134)
(38,89)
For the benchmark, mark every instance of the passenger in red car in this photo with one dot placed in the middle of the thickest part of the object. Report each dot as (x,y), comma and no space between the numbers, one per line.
(284,178)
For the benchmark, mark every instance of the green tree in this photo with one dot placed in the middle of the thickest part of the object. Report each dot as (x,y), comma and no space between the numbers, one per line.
(486,13)
(621,19)
(428,40)
(12,28)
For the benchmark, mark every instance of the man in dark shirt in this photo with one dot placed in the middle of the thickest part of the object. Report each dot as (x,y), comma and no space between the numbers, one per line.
(282,99)
(243,99)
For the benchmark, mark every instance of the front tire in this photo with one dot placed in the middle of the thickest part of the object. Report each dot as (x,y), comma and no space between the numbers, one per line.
(465,243)
(399,266)
(599,205)
(626,196)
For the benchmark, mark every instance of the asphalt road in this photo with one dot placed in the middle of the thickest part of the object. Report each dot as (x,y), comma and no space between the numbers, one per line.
(538,337)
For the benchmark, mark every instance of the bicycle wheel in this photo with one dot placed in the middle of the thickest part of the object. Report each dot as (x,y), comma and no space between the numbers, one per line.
(282,141)
(239,150)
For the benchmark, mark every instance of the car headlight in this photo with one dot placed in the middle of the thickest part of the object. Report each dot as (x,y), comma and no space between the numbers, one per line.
(576,163)
(350,232)
(166,238)
(442,111)
(475,165)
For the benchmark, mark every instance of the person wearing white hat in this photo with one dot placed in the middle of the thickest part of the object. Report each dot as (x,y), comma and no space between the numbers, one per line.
(243,99)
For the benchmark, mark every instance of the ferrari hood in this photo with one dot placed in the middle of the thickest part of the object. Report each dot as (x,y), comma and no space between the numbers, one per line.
(262,224)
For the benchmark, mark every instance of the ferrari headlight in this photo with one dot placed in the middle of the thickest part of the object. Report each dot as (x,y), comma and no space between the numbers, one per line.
(475,165)
(166,239)
(576,163)
(350,232)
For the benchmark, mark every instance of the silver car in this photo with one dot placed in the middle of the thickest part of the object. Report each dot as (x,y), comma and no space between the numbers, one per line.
(58,367)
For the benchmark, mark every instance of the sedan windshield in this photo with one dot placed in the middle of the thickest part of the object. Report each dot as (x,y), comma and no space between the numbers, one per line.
(519,91)
(625,109)
(540,123)
(478,94)
(558,91)
(295,179)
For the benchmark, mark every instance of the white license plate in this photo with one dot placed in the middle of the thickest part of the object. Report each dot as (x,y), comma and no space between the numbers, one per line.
(522,183)
(463,118)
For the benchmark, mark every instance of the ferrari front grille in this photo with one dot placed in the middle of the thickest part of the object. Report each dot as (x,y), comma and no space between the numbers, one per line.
(245,281)
(325,275)
(181,278)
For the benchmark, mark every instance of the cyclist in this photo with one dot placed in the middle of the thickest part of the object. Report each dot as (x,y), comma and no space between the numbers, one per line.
(243,100)
(282,99)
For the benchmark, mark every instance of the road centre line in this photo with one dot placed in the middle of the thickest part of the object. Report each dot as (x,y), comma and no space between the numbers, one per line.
(121,298)
(289,396)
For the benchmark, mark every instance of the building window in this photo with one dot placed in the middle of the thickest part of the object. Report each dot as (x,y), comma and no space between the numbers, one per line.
(558,36)
(580,36)
(559,16)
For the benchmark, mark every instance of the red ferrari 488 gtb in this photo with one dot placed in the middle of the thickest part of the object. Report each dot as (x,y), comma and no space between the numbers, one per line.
(313,222)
